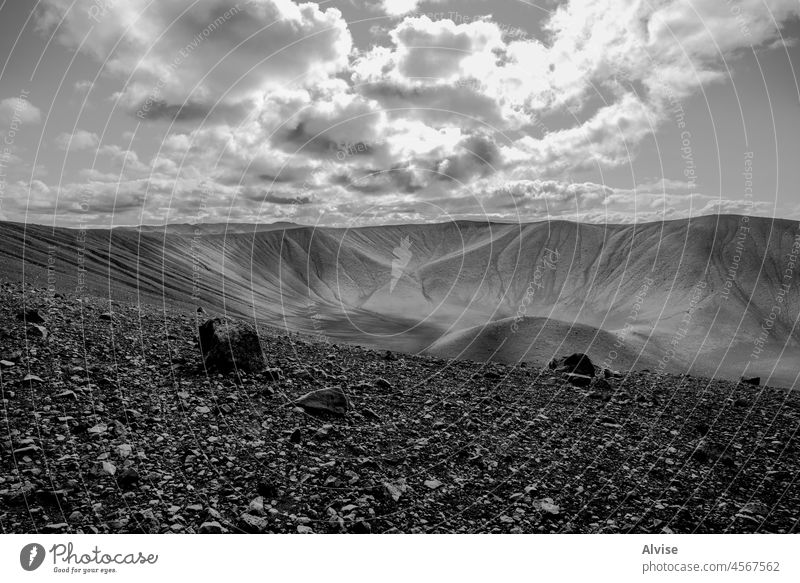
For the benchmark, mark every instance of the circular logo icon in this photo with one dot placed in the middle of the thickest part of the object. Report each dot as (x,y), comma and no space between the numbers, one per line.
(31,556)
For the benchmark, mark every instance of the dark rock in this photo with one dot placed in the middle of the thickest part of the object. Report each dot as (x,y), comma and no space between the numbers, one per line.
(577,363)
(383,384)
(267,490)
(37,331)
(389,356)
(106,316)
(370,414)
(751,381)
(211,527)
(296,436)
(741,402)
(702,429)
(30,317)
(602,385)
(128,478)
(578,380)
(328,400)
(230,345)
(361,527)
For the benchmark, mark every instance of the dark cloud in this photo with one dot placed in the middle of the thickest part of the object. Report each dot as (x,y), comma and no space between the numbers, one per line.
(476,156)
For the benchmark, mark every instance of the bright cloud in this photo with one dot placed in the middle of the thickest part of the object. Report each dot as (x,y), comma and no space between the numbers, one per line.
(274,101)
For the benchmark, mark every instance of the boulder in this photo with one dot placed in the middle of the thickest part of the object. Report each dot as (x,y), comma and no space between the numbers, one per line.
(230,345)
(574,363)
(328,400)
(751,381)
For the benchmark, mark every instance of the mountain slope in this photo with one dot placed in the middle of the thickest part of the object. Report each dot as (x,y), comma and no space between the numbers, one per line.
(692,294)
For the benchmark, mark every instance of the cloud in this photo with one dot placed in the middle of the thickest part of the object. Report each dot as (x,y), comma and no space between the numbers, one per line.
(202,52)
(80,140)
(83,86)
(18,111)
(274,92)
(401,7)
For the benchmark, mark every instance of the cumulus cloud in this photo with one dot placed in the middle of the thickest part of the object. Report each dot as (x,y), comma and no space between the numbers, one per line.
(457,113)
(202,52)
(18,110)
(79,140)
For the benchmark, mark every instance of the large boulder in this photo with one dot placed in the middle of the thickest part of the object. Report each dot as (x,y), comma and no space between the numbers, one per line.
(328,400)
(230,345)
(577,363)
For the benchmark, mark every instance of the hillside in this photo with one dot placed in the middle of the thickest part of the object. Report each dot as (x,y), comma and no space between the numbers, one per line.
(694,295)
(112,424)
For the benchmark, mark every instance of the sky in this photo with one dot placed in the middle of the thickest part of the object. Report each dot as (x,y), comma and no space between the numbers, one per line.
(364,112)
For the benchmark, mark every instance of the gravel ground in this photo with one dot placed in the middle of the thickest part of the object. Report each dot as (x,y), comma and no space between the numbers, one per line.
(111,423)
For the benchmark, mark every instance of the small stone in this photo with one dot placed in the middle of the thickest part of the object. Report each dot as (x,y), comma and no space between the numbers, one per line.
(303,529)
(211,527)
(433,484)
(128,477)
(383,384)
(328,400)
(109,468)
(267,490)
(253,524)
(395,490)
(548,507)
(32,378)
(38,331)
(256,506)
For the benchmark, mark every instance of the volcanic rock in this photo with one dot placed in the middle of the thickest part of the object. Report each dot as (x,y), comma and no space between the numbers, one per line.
(328,400)
(230,345)
(30,317)
(574,363)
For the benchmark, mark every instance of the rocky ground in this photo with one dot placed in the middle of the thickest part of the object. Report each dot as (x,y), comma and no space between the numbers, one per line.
(111,423)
